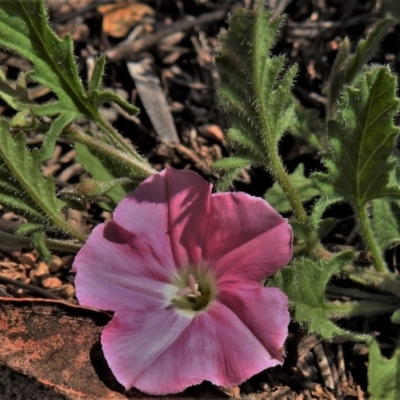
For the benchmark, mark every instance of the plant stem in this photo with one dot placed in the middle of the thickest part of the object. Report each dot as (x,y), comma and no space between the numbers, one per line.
(53,244)
(387,283)
(139,166)
(362,308)
(116,137)
(280,175)
(366,230)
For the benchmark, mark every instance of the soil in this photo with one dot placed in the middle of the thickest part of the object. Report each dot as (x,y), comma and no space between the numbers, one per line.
(184,64)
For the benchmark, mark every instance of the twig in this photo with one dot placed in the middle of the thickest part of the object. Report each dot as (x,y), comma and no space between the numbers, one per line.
(129,50)
(30,288)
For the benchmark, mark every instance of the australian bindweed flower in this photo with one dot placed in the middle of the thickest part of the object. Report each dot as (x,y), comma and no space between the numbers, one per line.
(181,269)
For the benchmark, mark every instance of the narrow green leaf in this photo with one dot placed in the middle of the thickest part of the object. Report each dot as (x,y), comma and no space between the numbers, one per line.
(40,246)
(97,75)
(304,282)
(366,48)
(383,374)
(337,78)
(12,97)
(304,187)
(29,228)
(386,222)
(231,168)
(105,170)
(105,96)
(360,165)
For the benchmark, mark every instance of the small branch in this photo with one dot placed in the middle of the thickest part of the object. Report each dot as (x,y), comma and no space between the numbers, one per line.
(128,50)
(30,288)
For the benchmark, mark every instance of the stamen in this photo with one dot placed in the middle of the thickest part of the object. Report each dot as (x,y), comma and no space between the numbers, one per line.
(190,291)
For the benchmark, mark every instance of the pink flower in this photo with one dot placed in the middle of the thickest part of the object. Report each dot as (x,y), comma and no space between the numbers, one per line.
(181,268)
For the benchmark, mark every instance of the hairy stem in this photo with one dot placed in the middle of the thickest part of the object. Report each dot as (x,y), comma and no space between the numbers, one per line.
(280,175)
(368,235)
(116,137)
(140,166)
(362,308)
(382,281)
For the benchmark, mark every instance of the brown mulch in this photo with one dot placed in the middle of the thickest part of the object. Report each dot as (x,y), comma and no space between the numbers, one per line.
(177,42)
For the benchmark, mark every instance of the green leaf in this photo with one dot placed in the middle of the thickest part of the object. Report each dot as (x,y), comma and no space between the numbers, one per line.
(304,282)
(25,30)
(304,187)
(386,222)
(28,192)
(254,88)
(383,374)
(105,170)
(360,165)
(366,48)
(395,318)
(16,99)
(231,167)
(308,126)
(40,246)
(347,67)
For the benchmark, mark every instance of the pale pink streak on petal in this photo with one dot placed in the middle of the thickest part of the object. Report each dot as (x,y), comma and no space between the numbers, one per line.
(263,310)
(171,205)
(133,340)
(115,270)
(258,258)
(216,347)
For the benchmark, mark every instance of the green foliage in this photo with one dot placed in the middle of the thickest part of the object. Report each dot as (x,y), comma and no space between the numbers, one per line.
(386,222)
(383,374)
(360,165)
(304,187)
(25,191)
(107,178)
(347,66)
(254,90)
(309,127)
(25,30)
(304,282)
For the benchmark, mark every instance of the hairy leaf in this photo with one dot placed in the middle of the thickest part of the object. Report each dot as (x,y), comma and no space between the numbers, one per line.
(25,30)
(383,374)
(105,170)
(24,190)
(347,67)
(254,88)
(304,187)
(360,165)
(304,282)
(386,222)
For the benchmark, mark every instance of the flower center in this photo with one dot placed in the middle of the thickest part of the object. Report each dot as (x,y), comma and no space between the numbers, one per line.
(195,290)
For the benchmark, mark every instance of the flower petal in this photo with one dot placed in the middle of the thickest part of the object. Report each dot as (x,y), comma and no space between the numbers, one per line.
(133,340)
(216,347)
(118,271)
(263,310)
(250,240)
(173,204)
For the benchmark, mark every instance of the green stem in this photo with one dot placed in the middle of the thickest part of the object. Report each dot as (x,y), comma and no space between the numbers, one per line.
(387,283)
(12,240)
(60,223)
(116,137)
(140,167)
(368,235)
(362,308)
(280,175)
